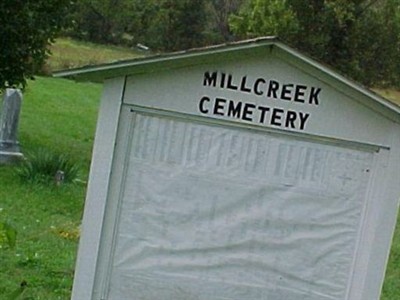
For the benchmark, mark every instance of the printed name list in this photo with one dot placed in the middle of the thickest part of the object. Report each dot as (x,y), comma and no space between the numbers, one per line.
(272,91)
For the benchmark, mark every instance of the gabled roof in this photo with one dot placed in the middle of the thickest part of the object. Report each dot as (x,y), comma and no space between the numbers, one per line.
(232,52)
(197,56)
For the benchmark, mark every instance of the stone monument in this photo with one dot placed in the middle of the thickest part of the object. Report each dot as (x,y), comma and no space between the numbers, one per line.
(9,118)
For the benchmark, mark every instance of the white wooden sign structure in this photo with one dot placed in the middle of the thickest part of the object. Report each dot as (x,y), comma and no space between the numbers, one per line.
(244,171)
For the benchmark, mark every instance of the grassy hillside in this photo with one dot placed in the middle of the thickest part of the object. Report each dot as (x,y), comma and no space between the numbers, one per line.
(68,53)
(390,94)
(60,116)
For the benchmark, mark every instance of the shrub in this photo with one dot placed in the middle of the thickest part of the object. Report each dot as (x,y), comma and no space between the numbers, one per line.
(46,167)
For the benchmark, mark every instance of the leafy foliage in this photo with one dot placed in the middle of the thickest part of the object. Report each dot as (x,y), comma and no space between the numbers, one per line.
(163,25)
(27,28)
(349,35)
(360,38)
(169,25)
(265,17)
(45,167)
(219,12)
(178,24)
(101,21)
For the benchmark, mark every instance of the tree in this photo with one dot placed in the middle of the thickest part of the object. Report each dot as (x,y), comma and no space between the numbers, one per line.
(327,28)
(170,25)
(163,25)
(264,17)
(27,28)
(360,38)
(219,11)
(102,21)
(377,47)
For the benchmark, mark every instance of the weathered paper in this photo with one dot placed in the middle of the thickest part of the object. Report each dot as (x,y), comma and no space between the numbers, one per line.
(213,213)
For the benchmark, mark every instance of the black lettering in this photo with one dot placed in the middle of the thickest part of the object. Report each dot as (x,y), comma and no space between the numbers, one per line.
(222,83)
(243,86)
(257,91)
(273,89)
(291,117)
(210,79)
(219,106)
(314,96)
(276,116)
(234,110)
(248,112)
(230,84)
(299,93)
(201,105)
(303,119)
(286,93)
(264,111)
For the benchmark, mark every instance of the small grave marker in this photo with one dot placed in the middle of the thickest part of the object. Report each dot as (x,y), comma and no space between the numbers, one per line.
(245,171)
(9,119)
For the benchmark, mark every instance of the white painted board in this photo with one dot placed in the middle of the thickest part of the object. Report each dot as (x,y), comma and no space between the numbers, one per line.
(209,212)
(267,93)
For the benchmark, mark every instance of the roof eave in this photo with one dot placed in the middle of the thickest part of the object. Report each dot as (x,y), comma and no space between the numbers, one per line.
(225,52)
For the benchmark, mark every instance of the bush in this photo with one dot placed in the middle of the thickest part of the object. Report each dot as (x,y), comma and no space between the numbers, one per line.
(46,167)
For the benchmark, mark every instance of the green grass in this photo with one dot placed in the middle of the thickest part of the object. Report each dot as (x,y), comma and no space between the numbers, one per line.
(391,94)
(47,220)
(391,287)
(68,53)
(60,115)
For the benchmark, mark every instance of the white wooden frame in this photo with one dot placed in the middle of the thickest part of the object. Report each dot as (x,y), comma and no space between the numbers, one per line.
(102,200)
(112,138)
